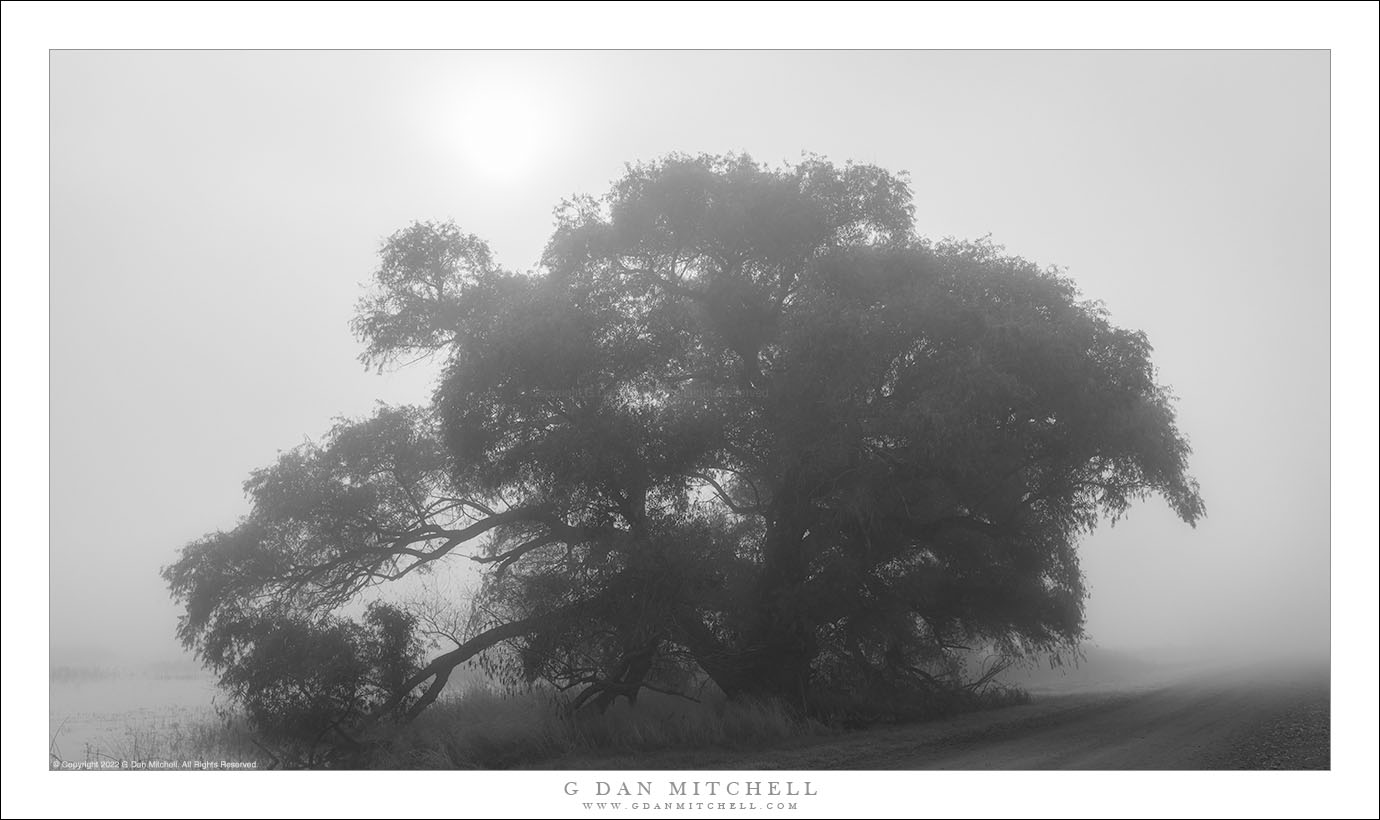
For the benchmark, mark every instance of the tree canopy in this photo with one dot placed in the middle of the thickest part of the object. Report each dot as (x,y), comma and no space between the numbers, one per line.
(742,422)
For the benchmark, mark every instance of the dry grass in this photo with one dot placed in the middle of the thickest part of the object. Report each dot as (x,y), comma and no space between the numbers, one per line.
(174,741)
(485,729)
(482,728)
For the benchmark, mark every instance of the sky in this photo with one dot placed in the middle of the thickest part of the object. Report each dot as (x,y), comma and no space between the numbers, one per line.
(214,216)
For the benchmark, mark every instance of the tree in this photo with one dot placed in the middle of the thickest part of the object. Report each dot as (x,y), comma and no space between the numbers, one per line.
(742,422)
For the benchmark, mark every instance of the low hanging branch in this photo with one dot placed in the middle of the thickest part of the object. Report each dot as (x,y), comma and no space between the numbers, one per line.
(506,559)
(439,670)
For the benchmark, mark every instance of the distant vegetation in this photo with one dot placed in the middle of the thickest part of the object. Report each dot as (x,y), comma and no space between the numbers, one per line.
(160,670)
(62,674)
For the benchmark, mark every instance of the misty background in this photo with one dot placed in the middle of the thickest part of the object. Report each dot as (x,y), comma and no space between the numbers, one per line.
(215,214)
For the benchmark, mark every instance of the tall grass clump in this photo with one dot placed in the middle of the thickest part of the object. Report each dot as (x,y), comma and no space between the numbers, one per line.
(483,728)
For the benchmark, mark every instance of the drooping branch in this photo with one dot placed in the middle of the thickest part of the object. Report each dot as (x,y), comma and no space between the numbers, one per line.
(724,496)
(442,666)
(368,560)
(506,559)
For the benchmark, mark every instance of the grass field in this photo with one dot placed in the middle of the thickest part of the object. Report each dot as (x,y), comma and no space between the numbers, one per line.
(103,719)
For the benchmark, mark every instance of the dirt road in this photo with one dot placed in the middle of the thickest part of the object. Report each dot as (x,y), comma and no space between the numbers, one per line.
(1185,726)
(1236,719)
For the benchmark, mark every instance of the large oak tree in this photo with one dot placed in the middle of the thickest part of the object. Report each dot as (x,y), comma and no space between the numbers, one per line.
(742,422)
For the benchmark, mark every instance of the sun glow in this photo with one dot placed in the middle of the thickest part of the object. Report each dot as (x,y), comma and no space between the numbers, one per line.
(506,130)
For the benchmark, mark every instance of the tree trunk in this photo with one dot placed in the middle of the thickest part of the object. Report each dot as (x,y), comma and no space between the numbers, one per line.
(774,656)
(783,644)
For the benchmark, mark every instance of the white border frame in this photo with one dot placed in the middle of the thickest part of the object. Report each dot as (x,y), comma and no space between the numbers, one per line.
(1348,30)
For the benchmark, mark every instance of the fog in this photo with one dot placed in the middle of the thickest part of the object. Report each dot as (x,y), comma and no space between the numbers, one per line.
(214,216)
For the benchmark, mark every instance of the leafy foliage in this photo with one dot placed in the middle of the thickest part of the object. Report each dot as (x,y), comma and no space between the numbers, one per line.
(308,685)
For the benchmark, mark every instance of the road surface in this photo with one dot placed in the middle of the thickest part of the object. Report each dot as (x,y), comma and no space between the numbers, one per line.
(1248,718)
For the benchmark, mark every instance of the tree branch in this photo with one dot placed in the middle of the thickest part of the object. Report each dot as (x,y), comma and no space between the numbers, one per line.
(723,495)
(441,667)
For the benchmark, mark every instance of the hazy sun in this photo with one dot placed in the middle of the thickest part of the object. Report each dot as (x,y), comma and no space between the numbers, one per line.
(506,130)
